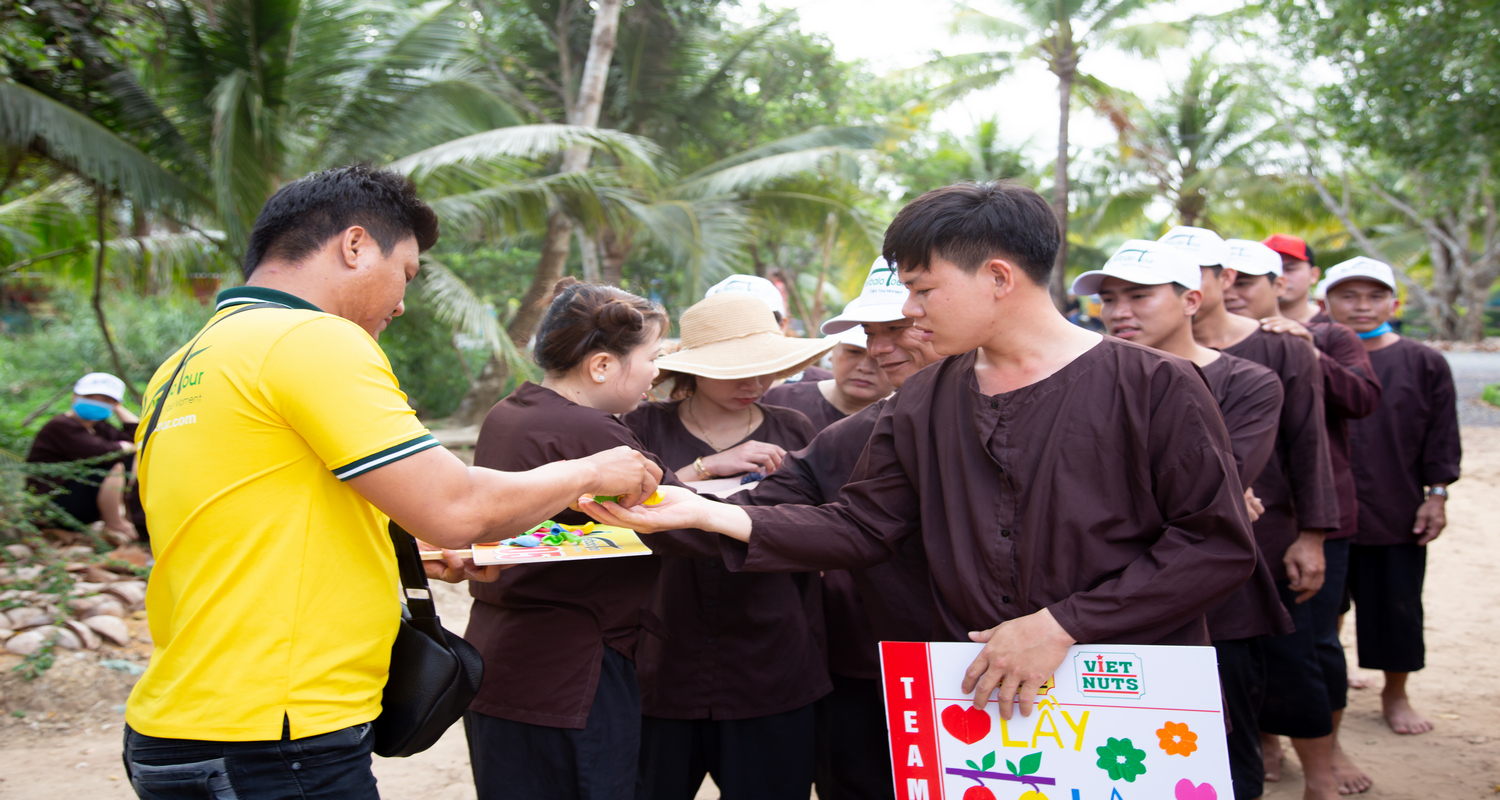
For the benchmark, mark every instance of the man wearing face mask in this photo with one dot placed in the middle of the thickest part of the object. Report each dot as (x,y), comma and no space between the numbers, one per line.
(83,433)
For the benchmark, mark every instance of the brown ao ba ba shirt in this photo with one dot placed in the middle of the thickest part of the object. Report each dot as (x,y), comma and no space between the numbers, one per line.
(724,645)
(1107,492)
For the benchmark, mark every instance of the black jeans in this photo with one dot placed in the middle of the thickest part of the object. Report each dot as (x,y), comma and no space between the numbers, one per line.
(333,765)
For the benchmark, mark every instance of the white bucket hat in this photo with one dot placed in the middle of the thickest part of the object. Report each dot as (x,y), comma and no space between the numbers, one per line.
(732,336)
(880,300)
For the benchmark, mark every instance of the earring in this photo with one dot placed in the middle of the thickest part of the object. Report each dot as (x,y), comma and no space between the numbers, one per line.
(598,379)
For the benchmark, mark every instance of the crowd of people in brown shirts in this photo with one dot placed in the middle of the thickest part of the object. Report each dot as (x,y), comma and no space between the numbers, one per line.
(1229,466)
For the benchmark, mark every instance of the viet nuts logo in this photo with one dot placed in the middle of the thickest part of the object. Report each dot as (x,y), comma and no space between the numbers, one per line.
(1118,675)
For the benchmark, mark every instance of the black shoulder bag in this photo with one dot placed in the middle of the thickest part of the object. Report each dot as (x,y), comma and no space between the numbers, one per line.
(435,674)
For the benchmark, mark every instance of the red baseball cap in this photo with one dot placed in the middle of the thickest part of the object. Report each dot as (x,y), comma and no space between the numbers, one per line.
(1289,245)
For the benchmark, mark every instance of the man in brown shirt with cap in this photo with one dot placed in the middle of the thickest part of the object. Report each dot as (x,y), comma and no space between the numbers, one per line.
(1068,487)
(1149,294)
(1404,457)
(1297,488)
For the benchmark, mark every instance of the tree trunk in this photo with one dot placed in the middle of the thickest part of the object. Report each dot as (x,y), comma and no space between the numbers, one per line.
(555,246)
(98,300)
(1060,187)
(588,252)
(614,247)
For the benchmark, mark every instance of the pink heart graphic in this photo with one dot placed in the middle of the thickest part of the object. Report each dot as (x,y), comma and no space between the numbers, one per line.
(965,723)
(1203,791)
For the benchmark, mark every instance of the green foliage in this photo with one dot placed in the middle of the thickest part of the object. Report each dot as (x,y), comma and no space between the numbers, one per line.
(34,665)
(1491,394)
(1418,78)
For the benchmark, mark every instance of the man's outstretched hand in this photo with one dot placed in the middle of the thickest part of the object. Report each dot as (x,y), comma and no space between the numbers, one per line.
(681,508)
(1019,656)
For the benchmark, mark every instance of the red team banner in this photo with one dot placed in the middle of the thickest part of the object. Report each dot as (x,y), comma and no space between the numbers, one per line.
(1116,722)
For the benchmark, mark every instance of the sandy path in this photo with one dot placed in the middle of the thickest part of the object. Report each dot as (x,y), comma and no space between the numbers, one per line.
(1460,759)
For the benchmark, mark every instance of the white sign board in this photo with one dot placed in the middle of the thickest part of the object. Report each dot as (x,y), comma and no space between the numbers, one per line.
(1117,722)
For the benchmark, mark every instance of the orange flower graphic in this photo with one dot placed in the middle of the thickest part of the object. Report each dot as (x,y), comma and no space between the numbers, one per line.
(1177,740)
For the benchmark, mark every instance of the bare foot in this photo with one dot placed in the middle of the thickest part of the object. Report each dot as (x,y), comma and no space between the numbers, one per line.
(1271,755)
(1402,717)
(1320,793)
(1358,680)
(1350,778)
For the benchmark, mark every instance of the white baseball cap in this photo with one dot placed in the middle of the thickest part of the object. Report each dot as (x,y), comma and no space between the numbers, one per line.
(880,300)
(101,383)
(1362,268)
(1203,246)
(1252,258)
(854,336)
(1320,292)
(1144,262)
(755,286)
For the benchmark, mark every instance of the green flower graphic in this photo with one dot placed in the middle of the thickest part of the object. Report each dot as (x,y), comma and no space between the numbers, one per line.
(1121,759)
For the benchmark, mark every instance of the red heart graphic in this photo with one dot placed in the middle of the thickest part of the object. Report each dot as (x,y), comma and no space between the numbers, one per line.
(966,723)
(1203,791)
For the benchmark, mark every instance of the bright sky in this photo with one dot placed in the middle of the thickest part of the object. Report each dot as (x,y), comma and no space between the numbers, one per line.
(899,34)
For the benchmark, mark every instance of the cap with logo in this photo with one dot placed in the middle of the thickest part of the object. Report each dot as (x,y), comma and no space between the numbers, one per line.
(1359,268)
(1289,245)
(101,383)
(1203,246)
(1252,258)
(880,300)
(755,286)
(1143,262)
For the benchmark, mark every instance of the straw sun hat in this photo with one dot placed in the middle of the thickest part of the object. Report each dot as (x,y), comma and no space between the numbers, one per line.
(733,336)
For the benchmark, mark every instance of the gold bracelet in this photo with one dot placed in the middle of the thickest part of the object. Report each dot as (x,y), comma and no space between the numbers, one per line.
(702,470)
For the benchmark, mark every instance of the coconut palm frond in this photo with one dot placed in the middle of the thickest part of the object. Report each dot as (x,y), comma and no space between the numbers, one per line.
(456,304)
(32,120)
(530,142)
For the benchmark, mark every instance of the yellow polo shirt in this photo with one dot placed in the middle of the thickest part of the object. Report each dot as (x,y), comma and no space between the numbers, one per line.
(275,589)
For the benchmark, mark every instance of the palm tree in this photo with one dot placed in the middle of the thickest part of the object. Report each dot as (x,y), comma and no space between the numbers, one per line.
(1059,33)
(1200,149)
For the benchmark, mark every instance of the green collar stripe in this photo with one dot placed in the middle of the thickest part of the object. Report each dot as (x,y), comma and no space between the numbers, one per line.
(386,456)
(259,294)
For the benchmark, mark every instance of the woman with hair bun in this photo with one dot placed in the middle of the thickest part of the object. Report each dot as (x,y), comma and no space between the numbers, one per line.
(730,674)
(559,716)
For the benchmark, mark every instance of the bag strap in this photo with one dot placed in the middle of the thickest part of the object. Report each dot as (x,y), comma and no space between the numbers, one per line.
(414,586)
(166,390)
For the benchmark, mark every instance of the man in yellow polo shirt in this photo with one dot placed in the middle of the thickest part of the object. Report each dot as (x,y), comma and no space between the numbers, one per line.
(283,447)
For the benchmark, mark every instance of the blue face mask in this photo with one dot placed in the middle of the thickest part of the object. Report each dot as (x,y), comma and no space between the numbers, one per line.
(1385,327)
(92,410)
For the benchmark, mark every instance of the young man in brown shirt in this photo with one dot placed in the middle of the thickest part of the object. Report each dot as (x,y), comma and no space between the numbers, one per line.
(1022,461)
(1149,294)
(1409,443)
(1350,391)
(1297,488)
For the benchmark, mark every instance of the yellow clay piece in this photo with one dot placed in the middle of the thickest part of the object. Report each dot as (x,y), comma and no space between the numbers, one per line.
(656,498)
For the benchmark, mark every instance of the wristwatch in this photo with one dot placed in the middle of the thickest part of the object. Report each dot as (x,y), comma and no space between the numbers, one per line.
(1438,491)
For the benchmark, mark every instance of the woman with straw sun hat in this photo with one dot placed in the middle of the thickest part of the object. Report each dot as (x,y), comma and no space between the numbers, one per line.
(731,668)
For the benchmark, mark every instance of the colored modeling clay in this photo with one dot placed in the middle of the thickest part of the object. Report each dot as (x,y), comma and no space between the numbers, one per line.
(752,477)
(524,540)
(656,497)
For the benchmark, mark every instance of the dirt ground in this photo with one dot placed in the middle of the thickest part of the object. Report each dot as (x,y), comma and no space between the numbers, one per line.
(75,752)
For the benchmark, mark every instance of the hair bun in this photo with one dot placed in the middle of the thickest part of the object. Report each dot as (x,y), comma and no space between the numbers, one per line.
(616,315)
